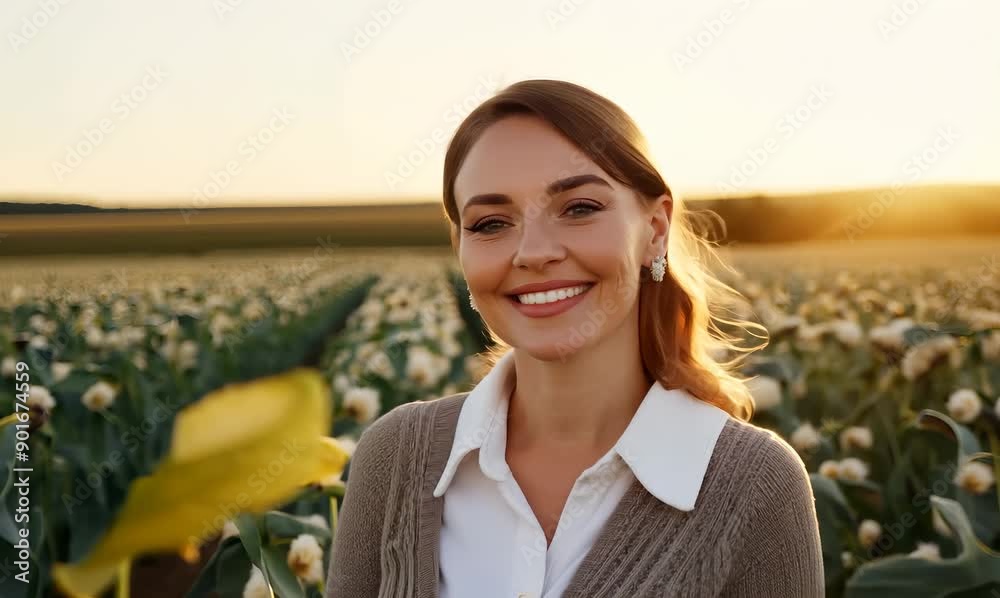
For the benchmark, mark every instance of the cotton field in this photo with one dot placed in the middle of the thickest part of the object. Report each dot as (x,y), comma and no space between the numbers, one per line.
(882,371)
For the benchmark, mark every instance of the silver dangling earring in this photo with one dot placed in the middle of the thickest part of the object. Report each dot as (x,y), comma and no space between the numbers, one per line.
(472,302)
(658,268)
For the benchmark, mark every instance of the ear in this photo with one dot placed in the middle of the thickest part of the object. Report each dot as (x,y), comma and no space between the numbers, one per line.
(660,216)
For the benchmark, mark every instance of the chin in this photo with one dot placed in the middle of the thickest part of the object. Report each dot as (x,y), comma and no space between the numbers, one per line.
(561,349)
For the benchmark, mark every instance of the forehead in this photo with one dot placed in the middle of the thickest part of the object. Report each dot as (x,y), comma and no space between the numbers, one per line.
(520,155)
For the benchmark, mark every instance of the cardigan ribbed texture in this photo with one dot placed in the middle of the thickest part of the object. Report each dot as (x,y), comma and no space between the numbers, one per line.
(752,533)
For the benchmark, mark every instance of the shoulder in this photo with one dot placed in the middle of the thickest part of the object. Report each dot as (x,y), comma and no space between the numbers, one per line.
(776,516)
(771,468)
(403,421)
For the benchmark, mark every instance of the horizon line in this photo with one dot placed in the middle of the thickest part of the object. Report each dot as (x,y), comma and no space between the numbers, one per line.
(318,200)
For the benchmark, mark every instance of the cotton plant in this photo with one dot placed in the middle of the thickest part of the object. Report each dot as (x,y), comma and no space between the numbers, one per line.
(404,343)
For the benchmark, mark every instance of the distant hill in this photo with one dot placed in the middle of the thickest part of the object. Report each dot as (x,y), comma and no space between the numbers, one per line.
(11,207)
(926,212)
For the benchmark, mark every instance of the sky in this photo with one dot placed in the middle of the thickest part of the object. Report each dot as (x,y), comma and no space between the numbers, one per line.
(224,102)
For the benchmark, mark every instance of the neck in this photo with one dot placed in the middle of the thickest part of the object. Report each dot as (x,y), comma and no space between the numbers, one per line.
(581,403)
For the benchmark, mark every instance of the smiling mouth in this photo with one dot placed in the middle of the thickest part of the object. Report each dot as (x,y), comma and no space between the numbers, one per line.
(549,297)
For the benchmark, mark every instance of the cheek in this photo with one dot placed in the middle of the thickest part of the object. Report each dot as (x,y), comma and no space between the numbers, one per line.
(482,265)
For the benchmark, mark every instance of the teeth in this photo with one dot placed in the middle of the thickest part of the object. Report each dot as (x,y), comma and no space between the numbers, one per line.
(551,296)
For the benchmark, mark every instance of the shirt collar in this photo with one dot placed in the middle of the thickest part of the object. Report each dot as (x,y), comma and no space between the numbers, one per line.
(668,444)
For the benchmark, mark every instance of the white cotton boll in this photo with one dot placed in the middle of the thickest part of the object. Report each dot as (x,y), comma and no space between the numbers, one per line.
(920,359)
(37,322)
(60,370)
(99,396)
(41,398)
(858,437)
(784,323)
(805,437)
(869,532)
(256,586)
(964,405)
(830,469)
(853,469)
(991,346)
(890,336)
(847,332)
(975,477)
(305,558)
(8,367)
(229,530)
(766,392)
(422,366)
(318,521)
(341,383)
(847,560)
(362,403)
(927,550)
(380,364)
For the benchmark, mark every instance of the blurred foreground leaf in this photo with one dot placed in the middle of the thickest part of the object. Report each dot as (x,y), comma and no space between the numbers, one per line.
(243,448)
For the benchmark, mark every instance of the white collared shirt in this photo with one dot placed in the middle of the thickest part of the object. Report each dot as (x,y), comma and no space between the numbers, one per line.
(492,545)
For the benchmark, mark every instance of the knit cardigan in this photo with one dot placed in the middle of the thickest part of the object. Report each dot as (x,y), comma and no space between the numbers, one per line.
(753,532)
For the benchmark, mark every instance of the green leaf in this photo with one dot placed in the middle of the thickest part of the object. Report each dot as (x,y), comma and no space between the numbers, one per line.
(249,536)
(225,573)
(976,565)
(865,492)
(834,515)
(936,421)
(283,525)
(282,580)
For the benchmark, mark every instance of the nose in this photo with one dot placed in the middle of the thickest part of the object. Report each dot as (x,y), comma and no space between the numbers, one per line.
(538,245)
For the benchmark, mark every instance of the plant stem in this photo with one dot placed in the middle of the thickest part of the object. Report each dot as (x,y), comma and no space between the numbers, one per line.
(333,517)
(124,571)
(995,449)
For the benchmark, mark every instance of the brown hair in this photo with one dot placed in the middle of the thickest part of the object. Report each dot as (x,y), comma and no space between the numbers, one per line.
(679,321)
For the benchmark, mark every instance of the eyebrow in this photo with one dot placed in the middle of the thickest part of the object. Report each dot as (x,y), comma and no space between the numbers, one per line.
(560,186)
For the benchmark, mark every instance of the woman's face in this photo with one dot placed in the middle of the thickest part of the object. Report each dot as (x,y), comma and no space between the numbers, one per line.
(535,209)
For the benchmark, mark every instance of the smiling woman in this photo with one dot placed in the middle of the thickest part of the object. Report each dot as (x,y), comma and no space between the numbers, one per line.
(608,451)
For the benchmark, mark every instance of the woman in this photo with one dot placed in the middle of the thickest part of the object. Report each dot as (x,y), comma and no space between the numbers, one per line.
(605,453)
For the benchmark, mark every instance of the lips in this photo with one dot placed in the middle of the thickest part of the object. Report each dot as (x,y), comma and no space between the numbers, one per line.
(551,285)
(552,295)
(544,310)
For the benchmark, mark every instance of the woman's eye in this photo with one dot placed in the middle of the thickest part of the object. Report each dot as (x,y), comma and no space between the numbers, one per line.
(588,207)
(482,226)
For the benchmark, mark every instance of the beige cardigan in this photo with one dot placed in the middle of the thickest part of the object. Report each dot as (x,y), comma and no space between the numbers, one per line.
(753,533)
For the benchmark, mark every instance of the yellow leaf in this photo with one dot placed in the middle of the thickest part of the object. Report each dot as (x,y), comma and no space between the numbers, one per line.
(245,447)
(333,458)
